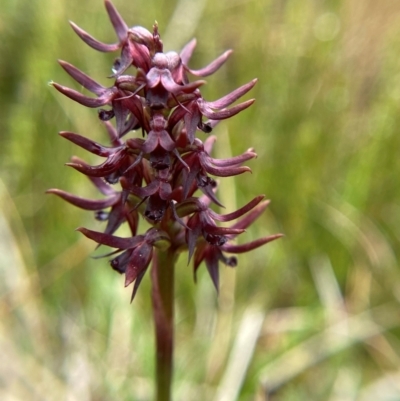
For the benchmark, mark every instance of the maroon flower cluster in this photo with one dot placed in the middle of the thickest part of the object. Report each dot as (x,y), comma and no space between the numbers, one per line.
(161,172)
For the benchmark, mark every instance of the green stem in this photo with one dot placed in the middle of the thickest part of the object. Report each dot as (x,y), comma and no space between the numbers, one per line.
(162,275)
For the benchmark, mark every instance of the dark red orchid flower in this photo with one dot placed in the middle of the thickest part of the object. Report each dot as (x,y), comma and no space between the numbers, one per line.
(155,165)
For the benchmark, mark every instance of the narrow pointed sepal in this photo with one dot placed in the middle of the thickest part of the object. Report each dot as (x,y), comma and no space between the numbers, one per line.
(92,42)
(187,51)
(111,240)
(104,99)
(249,246)
(233,96)
(87,204)
(88,144)
(225,113)
(238,213)
(212,67)
(120,27)
(80,77)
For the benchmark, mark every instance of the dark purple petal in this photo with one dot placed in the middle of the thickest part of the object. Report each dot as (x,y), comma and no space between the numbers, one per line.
(121,29)
(153,77)
(198,258)
(224,171)
(138,262)
(155,236)
(135,105)
(102,186)
(212,67)
(192,120)
(165,190)
(240,212)
(178,156)
(140,55)
(115,218)
(82,78)
(232,161)
(102,170)
(176,68)
(189,179)
(157,75)
(120,262)
(208,190)
(250,245)
(251,216)
(132,217)
(191,86)
(87,204)
(121,112)
(168,82)
(231,97)
(92,42)
(111,240)
(211,259)
(122,63)
(166,141)
(151,143)
(144,192)
(156,138)
(187,51)
(222,114)
(135,143)
(142,36)
(138,280)
(176,216)
(85,100)
(191,237)
(215,230)
(112,133)
(87,144)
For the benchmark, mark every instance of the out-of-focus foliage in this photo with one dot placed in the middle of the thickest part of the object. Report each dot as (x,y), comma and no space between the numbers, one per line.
(312,316)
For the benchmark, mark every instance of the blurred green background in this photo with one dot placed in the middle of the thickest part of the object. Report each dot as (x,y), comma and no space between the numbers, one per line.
(313,316)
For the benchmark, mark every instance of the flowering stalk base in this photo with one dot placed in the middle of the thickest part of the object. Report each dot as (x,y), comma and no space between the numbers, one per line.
(162,276)
(155,166)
